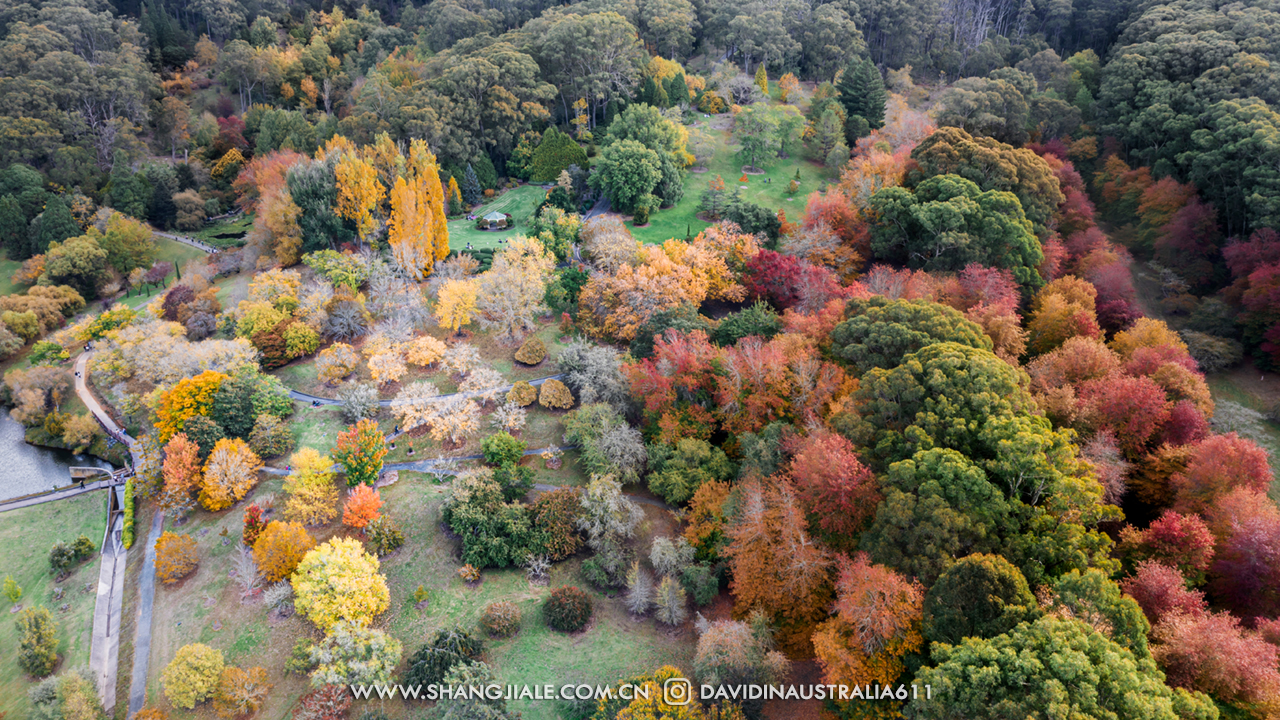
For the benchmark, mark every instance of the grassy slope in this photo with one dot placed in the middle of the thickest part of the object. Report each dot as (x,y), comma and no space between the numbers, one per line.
(176,252)
(681,219)
(1243,384)
(7,269)
(171,251)
(25,538)
(206,607)
(236,226)
(519,201)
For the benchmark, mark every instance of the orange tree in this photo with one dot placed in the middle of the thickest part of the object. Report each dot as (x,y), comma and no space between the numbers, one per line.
(362,507)
(280,548)
(876,623)
(361,449)
(176,557)
(181,472)
(777,568)
(191,396)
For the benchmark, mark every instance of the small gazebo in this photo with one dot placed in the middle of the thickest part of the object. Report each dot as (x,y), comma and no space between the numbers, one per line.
(494,221)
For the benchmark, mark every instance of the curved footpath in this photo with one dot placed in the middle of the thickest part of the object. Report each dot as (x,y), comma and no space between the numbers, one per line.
(104,649)
(110,594)
(185,240)
(108,639)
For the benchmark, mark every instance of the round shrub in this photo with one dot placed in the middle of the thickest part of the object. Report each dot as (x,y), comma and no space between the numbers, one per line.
(279,548)
(176,557)
(501,448)
(531,352)
(501,618)
(567,609)
(192,676)
(37,641)
(522,394)
(555,395)
(271,436)
(384,535)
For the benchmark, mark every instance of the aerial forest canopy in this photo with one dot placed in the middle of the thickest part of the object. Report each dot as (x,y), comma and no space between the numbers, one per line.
(928,340)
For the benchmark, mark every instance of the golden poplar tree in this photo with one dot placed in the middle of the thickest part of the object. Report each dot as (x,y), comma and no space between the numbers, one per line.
(456,303)
(455,196)
(417,232)
(359,192)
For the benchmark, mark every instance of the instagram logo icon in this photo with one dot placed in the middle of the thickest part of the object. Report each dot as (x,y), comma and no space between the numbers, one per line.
(677,691)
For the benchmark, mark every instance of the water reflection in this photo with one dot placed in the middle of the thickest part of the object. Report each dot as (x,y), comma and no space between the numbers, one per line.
(26,469)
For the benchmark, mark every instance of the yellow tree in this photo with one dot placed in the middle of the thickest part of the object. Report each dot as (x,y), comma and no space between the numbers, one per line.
(456,303)
(787,84)
(340,581)
(580,120)
(229,474)
(359,192)
(191,396)
(455,196)
(313,498)
(509,297)
(417,231)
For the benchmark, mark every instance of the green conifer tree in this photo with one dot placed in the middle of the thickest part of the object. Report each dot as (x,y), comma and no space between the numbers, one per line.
(648,92)
(862,93)
(161,211)
(471,191)
(128,191)
(678,90)
(56,225)
(556,152)
(13,226)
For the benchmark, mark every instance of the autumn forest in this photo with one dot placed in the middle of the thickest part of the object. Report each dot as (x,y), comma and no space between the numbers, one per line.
(927,349)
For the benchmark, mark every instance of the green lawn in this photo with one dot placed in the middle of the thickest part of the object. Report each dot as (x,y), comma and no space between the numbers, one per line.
(25,538)
(170,251)
(613,646)
(224,233)
(520,202)
(176,252)
(682,219)
(7,269)
(206,607)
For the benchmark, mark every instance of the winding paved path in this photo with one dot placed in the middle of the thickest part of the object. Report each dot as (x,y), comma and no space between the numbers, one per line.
(185,240)
(104,650)
(142,633)
(104,653)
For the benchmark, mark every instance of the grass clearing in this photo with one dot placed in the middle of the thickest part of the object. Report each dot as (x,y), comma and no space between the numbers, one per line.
(519,202)
(7,269)
(226,233)
(177,253)
(25,538)
(1243,384)
(206,607)
(769,189)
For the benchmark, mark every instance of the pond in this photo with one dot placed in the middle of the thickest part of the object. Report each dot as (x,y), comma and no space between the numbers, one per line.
(26,469)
